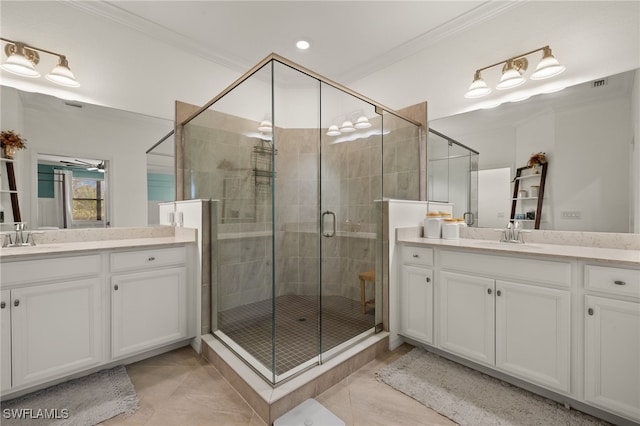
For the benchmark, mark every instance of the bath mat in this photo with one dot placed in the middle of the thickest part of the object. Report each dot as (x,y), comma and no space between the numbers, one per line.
(84,401)
(309,412)
(469,397)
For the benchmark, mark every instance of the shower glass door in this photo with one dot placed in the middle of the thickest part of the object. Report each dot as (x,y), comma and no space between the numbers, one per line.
(296,244)
(350,182)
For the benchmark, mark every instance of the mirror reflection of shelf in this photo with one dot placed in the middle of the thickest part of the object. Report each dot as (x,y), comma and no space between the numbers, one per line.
(534,175)
(12,191)
(518,179)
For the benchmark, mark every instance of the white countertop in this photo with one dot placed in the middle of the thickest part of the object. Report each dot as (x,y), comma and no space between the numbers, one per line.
(532,249)
(19,253)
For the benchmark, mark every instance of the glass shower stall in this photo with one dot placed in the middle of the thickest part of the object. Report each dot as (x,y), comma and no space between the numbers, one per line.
(293,164)
(453,175)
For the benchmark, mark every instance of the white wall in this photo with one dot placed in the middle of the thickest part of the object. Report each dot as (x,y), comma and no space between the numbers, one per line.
(590,139)
(441,73)
(494,195)
(124,69)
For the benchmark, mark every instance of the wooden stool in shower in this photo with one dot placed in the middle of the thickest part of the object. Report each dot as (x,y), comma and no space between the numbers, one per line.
(369,276)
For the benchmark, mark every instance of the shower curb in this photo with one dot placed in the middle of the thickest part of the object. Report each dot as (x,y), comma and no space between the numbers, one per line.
(272,402)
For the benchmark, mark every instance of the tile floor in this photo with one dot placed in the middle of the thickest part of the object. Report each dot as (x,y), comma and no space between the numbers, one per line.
(296,321)
(181,388)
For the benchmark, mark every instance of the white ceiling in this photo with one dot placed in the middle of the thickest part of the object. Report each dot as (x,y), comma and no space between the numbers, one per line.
(349,39)
(141,56)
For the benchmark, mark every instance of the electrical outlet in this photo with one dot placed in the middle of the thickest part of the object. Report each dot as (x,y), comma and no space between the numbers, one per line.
(573,214)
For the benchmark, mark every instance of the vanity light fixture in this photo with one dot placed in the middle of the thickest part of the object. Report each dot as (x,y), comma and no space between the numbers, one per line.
(265,126)
(333,131)
(362,123)
(513,71)
(22,60)
(348,126)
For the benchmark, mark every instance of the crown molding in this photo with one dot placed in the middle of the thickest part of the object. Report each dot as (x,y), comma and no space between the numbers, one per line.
(482,13)
(134,22)
(479,14)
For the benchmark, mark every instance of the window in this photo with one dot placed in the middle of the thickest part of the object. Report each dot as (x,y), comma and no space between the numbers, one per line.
(88,199)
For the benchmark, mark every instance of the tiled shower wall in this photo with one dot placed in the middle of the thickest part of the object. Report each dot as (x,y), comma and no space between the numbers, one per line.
(219,164)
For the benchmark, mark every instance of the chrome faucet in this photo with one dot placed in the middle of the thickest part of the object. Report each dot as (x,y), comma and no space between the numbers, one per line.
(512,233)
(20,239)
(6,240)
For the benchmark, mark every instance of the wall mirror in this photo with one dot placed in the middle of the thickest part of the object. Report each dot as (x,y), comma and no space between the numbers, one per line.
(101,149)
(161,176)
(587,134)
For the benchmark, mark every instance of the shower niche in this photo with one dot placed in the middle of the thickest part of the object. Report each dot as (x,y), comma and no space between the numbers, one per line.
(293,164)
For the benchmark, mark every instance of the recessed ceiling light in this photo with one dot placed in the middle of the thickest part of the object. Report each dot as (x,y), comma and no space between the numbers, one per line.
(302,44)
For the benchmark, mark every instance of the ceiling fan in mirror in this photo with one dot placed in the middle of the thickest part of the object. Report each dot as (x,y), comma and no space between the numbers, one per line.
(85,165)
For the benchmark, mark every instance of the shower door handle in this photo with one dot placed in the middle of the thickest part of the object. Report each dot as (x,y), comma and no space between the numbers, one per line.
(333,230)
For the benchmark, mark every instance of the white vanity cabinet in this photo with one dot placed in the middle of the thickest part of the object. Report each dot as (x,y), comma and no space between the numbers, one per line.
(148,299)
(467,316)
(416,294)
(5,335)
(512,324)
(51,319)
(564,321)
(533,329)
(612,339)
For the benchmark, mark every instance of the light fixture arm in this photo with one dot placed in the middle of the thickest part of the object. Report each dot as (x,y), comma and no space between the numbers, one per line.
(514,58)
(17,43)
(513,71)
(22,59)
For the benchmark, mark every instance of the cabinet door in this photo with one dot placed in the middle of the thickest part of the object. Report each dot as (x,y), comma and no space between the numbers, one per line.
(612,358)
(467,316)
(148,309)
(5,350)
(532,333)
(416,295)
(56,329)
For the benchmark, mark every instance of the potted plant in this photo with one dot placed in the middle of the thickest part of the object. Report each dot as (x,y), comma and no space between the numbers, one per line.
(11,142)
(536,161)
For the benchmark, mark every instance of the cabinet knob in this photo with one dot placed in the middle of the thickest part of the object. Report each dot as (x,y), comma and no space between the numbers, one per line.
(16,302)
(489,291)
(428,279)
(151,259)
(498,293)
(618,282)
(415,255)
(590,311)
(3,305)
(115,287)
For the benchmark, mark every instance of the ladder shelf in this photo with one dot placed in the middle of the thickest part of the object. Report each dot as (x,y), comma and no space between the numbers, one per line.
(542,176)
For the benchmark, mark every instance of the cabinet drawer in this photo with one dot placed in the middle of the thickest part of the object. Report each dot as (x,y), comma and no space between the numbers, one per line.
(556,273)
(625,282)
(153,258)
(32,271)
(417,255)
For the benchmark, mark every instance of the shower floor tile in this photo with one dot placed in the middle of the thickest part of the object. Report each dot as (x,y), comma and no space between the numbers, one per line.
(296,327)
